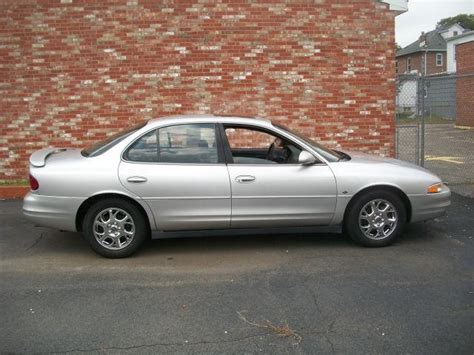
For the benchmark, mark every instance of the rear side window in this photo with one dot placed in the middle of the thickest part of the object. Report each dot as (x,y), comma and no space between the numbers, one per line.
(102,146)
(181,144)
(144,149)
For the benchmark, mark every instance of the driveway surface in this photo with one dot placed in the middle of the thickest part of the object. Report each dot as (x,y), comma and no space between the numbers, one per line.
(240,294)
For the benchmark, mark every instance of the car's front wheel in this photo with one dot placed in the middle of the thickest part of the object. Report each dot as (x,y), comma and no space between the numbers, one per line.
(115,228)
(375,219)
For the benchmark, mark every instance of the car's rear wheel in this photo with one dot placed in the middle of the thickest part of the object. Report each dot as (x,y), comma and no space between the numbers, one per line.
(375,219)
(115,228)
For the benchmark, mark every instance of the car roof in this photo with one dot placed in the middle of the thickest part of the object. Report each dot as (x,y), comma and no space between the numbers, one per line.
(209,118)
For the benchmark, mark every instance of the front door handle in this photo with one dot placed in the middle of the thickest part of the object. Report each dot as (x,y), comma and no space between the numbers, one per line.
(137,179)
(245,179)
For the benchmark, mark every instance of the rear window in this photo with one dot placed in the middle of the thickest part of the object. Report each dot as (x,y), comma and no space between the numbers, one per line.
(104,145)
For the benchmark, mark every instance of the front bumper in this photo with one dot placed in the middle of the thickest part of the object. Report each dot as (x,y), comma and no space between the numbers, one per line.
(52,211)
(429,206)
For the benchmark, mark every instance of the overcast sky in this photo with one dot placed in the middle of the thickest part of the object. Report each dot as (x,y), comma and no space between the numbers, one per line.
(422,15)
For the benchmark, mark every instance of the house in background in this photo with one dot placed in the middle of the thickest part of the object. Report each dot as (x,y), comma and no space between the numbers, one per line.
(427,55)
(452,43)
(427,59)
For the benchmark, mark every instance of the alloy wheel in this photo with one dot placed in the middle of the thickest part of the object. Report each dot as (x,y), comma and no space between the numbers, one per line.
(114,228)
(378,219)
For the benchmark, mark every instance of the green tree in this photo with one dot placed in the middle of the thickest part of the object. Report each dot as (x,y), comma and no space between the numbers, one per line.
(465,20)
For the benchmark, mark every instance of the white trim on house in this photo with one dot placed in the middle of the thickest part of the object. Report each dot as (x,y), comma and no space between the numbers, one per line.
(439,59)
(399,6)
(451,44)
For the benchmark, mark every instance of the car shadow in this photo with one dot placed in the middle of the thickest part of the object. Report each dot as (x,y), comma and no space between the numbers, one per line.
(54,243)
(248,242)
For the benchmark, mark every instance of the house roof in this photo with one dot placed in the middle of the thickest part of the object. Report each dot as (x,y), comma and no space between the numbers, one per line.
(434,41)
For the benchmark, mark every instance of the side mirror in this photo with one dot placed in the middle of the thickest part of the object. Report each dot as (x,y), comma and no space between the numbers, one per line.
(306,158)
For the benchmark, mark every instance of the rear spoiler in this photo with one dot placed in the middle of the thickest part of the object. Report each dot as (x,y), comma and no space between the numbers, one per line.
(38,158)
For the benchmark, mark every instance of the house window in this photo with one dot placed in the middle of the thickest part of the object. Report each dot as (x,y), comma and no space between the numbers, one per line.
(409,64)
(439,59)
(455,33)
(396,66)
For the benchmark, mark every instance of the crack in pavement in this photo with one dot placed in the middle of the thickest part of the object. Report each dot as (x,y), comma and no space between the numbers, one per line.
(161,344)
(35,242)
(325,333)
(313,298)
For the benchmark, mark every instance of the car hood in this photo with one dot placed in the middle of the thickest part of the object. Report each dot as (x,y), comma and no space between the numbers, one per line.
(359,157)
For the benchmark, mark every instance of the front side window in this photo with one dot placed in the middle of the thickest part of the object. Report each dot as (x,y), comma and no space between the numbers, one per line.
(180,144)
(253,146)
(328,154)
(439,59)
(409,64)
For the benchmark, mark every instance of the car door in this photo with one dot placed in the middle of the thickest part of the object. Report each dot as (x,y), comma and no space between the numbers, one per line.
(276,191)
(179,171)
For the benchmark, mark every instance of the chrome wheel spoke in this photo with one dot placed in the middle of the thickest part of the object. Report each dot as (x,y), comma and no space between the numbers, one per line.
(380,231)
(100,224)
(373,207)
(128,234)
(121,220)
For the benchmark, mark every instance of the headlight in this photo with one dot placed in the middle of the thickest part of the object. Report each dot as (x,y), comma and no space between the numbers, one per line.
(435,188)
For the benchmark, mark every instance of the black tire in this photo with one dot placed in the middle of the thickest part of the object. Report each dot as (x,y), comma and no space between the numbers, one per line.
(351,220)
(140,222)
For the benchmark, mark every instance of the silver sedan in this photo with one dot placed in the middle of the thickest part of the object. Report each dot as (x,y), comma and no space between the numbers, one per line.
(192,173)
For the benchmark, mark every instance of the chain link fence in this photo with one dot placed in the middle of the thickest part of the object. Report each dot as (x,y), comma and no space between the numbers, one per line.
(435,125)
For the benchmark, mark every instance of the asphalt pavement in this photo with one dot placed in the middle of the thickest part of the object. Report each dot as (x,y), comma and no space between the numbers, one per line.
(292,293)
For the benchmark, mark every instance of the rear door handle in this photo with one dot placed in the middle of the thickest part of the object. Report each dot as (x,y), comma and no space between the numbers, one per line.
(245,179)
(137,179)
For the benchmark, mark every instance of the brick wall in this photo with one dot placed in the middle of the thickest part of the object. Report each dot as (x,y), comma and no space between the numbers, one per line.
(73,71)
(415,62)
(431,67)
(465,84)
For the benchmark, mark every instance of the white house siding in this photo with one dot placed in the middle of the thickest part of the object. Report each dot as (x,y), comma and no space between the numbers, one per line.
(451,49)
(407,96)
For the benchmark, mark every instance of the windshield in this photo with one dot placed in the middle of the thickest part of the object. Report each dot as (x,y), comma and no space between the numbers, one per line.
(104,145)
(329,154)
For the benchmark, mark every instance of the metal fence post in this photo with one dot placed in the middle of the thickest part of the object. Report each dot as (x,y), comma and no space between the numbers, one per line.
(422,133)
(397,140)
(418,115)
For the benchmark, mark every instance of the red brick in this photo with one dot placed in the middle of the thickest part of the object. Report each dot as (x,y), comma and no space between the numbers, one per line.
(465,84)
(105,65)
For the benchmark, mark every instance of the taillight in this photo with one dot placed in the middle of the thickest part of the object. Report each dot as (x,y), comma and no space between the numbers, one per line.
(34,184)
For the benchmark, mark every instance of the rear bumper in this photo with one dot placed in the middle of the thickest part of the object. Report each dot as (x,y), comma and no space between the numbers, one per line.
(430,205)
(52,211)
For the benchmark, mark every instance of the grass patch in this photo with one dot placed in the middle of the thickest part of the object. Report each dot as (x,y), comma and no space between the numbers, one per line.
(407,119)
(22,182)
